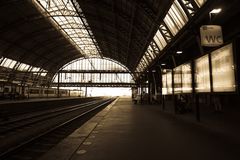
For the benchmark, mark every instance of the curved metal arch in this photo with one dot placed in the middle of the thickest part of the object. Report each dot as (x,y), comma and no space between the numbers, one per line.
(104,58)
(82,58)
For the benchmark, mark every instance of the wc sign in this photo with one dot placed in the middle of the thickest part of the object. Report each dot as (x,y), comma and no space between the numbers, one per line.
(211,35)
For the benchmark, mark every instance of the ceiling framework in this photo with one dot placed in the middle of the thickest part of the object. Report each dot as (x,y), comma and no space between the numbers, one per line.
(136,33)
(28,37)
(123,28)
(119,29)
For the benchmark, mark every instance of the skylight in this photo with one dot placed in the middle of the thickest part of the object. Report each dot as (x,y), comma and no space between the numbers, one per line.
(174,21)
(12,64)
(67,20)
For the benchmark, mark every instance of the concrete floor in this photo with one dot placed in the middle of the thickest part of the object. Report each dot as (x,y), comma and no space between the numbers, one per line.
(141,132)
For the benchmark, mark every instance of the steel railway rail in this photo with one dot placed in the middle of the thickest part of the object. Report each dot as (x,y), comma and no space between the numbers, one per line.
(25,129)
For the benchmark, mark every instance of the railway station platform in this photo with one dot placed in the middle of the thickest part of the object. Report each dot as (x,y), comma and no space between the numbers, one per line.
(128,131)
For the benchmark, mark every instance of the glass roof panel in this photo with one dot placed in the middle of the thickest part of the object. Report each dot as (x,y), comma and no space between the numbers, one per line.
(9,63)
(74,27)
(200,2)
(23,67)
(94,64)
(160,41)
(176,18)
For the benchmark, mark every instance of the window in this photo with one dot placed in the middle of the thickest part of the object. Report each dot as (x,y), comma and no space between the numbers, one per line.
(200,2)
(93,64)
(160,41)
(186,78)
(223,69)
(202,74)
(8,63)
(67,20)
(176,18)
(23,67)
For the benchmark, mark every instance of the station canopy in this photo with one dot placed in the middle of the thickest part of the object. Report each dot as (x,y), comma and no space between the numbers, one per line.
(44,35)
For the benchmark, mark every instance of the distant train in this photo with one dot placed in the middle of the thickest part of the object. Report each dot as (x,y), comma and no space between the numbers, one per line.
(45,92)
(14,92)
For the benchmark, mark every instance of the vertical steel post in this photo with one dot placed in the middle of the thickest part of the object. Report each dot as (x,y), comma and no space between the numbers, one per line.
(197,107)
(58,91)
(86,91)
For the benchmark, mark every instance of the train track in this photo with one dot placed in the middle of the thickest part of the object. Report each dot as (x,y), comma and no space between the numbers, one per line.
(22,131)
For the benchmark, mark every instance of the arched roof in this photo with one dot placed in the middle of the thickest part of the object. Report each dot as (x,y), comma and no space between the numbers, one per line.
(97,63)
(122,28)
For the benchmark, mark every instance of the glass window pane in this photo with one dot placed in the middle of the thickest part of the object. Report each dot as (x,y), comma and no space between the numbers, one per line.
(176,18)
(169,82)
(200,2)
(23,67)
(177,79)
(160,41)
(202,74)
(223,69)
(164,83)
(63,13)
(186,78)
(8,63)
(95,64)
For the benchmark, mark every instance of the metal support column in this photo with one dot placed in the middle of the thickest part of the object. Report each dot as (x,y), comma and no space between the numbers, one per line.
(58,91)
(149,88)
(196,96)
(174,96)
(86,91)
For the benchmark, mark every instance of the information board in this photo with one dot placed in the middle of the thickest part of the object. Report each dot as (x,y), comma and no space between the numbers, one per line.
(186,78)
(164,83)
(177,78)
(223,69)
(169,82)
(202,74)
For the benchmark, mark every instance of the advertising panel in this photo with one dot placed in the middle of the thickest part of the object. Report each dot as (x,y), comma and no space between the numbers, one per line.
(177,79)
(169,82)
(202,74)
(223,69)
(164,83)
(186,78)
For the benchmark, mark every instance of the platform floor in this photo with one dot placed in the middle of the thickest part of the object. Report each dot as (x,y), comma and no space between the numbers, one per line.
(127,131)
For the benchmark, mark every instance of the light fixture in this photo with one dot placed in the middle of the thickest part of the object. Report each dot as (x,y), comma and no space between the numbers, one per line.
(179,52)
(163,64)
(215,11)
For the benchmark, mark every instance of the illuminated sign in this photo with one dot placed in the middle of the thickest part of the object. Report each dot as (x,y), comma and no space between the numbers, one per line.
(202,74)
(177,79)
(186,78)
(169,83)
(211,35)
(164,84)
(223,69)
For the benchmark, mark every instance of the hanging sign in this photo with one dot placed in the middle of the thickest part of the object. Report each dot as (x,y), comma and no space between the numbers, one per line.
(211,35)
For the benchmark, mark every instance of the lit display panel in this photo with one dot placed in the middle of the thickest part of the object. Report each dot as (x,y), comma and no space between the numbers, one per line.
(186,78)
(202,74)
(177,79)
(169,82)
(223,69)
(164,84)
